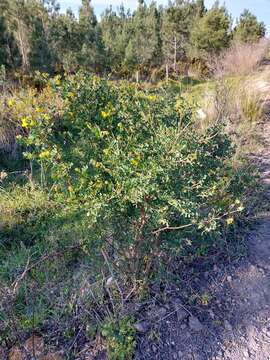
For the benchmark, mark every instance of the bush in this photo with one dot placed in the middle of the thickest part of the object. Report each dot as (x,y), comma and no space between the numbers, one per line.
(133,165)
(18,105)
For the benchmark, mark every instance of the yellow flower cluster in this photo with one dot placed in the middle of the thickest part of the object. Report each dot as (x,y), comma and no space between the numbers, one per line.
(10,102)
(45,154)
(108,112)
(152,97)
(230,221)
(27,122)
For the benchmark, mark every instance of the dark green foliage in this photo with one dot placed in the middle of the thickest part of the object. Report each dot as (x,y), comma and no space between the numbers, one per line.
(248,28)
(211,33)
(153,41)
(120,338)
(127,161)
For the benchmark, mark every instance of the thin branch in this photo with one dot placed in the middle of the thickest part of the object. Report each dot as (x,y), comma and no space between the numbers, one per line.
(38,262)
(171,228)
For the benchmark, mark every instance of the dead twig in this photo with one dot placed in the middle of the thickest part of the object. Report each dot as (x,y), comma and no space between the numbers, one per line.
(40,261)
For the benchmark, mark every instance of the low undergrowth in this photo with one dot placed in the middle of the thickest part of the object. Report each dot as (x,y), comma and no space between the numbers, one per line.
(121,183)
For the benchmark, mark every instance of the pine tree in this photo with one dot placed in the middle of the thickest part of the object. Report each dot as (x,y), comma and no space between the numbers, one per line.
(9,55)
(115,28)
(178,19)
(64,40)
(248,28)
(91,54)
(17,20)
(211,33)
(144,47)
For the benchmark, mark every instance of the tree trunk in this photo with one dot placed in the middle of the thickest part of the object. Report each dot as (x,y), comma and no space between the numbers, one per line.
(175,52)
(167,72)
(137,76)
(23,46)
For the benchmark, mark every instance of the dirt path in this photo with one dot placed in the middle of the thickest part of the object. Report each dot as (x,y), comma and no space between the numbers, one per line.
(235,324)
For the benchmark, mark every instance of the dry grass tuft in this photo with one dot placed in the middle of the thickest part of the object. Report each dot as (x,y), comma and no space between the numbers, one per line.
(240,59)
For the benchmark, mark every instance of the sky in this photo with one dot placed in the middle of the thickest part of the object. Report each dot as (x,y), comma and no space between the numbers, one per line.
(261,8)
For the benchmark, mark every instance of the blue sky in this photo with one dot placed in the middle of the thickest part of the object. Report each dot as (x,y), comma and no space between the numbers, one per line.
(261,8)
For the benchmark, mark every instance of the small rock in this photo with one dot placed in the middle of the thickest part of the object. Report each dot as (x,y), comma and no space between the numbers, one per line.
(35,344)
(211,313)
(183,326)
(195,324)
(228,326)
(15,354)
(215,268)
(181,314)
(110,281)
(142,327)
(245,353)
(229,278)
(161,312)
(157,312)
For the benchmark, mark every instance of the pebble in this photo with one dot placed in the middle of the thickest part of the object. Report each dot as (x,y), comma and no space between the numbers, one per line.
(181,314)
(157,312)
(195,324)
(246,353)
(110,281)
(142,327)
(228,326)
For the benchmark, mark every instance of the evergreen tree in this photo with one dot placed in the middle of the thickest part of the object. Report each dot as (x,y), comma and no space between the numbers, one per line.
(249,29)
(144,47)
(211,33)
(38,22)
(9,55)
(178,20)
(64,40)
(115,29)
(17,20)
(91,55)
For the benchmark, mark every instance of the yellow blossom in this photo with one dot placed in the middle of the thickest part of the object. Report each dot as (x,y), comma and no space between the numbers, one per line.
(71,94)
(134,162)
(230,221)
(10,102)
(24,122)
(57,81)
(46,117)
(152,97)
(44,154)
(108,111)
(105,114)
